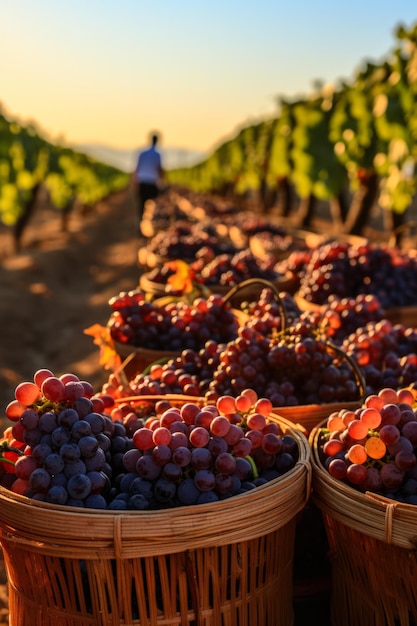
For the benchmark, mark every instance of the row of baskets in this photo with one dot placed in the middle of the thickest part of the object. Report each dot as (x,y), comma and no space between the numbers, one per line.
(229,562)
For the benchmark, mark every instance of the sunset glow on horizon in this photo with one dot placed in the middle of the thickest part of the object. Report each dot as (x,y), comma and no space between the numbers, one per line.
(105,72)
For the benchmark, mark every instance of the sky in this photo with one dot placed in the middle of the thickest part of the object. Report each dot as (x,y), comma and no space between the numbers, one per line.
(110,71)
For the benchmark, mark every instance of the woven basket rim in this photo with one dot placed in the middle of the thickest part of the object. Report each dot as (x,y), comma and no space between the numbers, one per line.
(377,516)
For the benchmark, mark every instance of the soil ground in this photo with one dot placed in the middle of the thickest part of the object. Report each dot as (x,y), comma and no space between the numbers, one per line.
(55,287)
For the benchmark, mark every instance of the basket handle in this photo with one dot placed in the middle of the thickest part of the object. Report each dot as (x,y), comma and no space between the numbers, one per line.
(402,228)
(360,380)
(262,282)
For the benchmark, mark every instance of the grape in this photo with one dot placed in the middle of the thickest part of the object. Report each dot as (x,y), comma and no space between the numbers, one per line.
(219,426)
(373,480)
(27,393)
(32,437)
(357,454)
(188,412)
(24,466)
(96,462)
(40,480)
(143,438)
(390,414)
(181,456)
(142,486)
(79,486)
(188,492)
(201,458)
(80,429)
(54,463)
(409,430)
(226,404)
(375,447)
(60,435)
(172,472)
(161,455)
(371,417)
(29,419)
(164,491)
(204,480)
(272,444)
(357,429)
(161,436)
(53,389)
(284,462)
(199,437)
(57,495)
(389,434)
(40,452)
(338,468)
(76,467)
(405,460)
(47,422)
(257,420)
(68,417)
(147,468)
(100,483)
(225,463)
(391,476)
(95,501)
(178,439)
(356,473)
(256,438)
(96,422)
(14,410)
(137,502)
(88,445)
(40,376)
(332,447)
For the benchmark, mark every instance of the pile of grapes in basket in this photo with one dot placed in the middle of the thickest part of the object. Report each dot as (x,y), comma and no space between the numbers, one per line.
(375,447)
(347,270)
(173,326)
(69,446)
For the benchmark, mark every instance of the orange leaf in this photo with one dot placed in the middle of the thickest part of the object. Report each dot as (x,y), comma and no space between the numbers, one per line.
(109,358)
(182,280)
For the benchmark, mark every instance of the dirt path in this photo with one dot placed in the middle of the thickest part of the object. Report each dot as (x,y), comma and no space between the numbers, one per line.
(58,285)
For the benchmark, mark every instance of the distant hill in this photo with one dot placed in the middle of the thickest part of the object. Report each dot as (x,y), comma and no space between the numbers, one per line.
(125,159)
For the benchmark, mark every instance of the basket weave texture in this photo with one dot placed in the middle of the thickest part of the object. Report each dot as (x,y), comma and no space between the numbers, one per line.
(226,563)
(373,542)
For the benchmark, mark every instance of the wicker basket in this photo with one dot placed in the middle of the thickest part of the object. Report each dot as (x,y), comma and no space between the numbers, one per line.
(136,360)
(229,562)
(407,316)
(373,543)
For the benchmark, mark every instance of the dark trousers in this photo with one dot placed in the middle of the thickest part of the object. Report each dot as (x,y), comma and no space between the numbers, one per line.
(146,191)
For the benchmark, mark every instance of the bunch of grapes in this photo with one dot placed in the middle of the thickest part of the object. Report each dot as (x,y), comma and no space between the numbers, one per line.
(59,447)
(231,269)
(175,326)
(340,317)
(68,446)
(386,354)
(184,239)
(347,270)
(269,315)
(375,447)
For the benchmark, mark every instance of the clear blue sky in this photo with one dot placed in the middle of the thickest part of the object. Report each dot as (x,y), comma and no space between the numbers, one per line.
(108,71)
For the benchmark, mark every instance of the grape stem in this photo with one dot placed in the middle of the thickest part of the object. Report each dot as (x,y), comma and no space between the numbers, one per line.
(253,466)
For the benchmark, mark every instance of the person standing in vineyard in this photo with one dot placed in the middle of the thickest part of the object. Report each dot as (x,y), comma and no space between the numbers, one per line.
(147,175)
